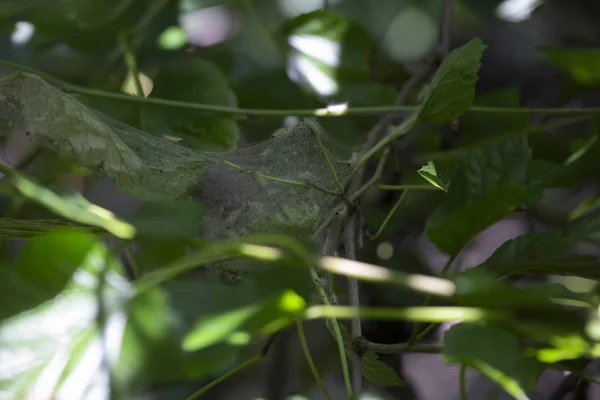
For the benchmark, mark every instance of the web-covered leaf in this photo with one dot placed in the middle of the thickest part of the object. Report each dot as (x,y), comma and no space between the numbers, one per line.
(281,185)
(193,80)
(142,165)
(70,205)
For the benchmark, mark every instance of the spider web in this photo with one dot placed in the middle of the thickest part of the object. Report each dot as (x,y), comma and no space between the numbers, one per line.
(280,185)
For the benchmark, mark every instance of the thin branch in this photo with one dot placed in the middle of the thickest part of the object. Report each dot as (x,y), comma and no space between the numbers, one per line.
(415,335)
(318,112)
(407,187)
(309,359)
(446,20)
(337,336)
(568,385)
(135,271)
(263,353)
(458,153)
(402,348)
(376,176)
(389,216)
(424,332)
(353,293)
(463,381)
(223,377)
(257,174)
(152,11)
(328,161)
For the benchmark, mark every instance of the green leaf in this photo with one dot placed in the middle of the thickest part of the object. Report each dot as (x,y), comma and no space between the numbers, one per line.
(374,370)
(543,174)
(478,126)
(452,231)
(50,270)
(429,173)
(152,253)
(586,226)
(70,278)
(452,89)
(150,348)
(536,310)
(16,294)
(193,80)
(239,324)
(581,164)
(379,373)
(32,341)
(495,352)
(530,246)
(238,314)
(569,347)
(482,288)
(541,254)
(581,64)
(487,186)
(178,219)
(70,205)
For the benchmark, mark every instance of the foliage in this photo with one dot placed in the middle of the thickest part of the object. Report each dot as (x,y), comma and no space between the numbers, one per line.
(245,202)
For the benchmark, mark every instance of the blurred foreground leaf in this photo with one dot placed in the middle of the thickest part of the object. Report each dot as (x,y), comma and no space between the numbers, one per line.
(178,219)
(70,205)
(580,64)
(12,228)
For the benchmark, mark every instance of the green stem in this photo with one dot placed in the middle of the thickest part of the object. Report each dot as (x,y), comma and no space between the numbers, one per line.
(337,335)
(389,216)
(463,381)
(132,262)
(407,187)
(415,335)
(374,273)
(402,129)
(319,112)
(403,348)
(152,11)
(424,332)
(328,161)
(457,154)
(131,63)
(309,359)
(221,378)
(280,180)
(376,176)
(421,314)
